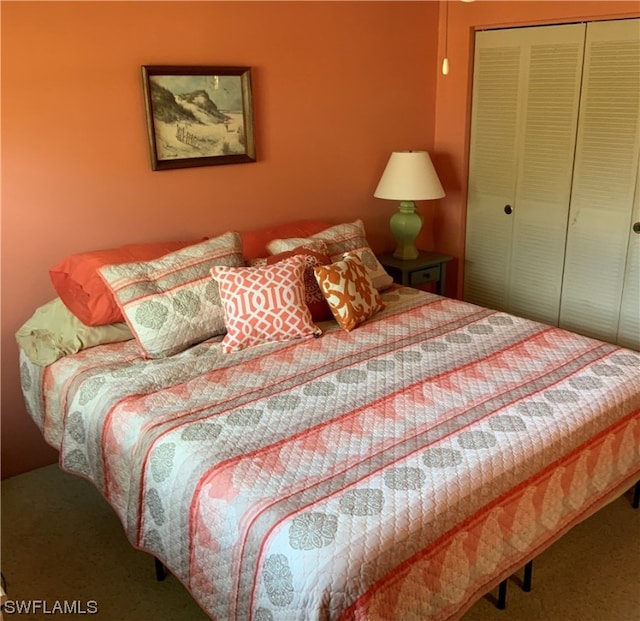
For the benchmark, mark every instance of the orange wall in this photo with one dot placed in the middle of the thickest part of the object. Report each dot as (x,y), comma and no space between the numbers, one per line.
(453,101)
(337,87)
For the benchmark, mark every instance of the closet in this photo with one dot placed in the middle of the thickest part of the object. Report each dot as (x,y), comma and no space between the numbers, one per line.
(553,177)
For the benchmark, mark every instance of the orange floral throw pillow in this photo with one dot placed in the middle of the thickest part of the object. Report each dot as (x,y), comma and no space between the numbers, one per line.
(264,304)
(316,303)
(349,291)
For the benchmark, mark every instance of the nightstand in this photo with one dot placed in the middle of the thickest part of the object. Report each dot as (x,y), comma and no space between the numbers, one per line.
(428,267)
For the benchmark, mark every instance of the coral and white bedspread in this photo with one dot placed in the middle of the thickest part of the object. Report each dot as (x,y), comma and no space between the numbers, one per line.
(398,471)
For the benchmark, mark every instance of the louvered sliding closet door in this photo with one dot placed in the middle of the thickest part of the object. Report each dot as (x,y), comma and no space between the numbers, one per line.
(553,76)
(492,167)
(604,180)
(629,324)
(524,117)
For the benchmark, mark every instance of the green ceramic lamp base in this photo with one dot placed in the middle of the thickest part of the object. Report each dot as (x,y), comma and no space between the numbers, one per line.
(406,224)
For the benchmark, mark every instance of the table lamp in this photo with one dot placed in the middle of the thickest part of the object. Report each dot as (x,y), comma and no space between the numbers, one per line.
(408,177)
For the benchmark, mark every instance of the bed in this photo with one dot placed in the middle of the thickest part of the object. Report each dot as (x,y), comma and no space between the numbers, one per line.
(396,471)
(395,468)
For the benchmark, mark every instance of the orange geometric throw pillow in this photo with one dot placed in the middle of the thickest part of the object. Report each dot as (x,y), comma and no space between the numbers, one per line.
(264,304)
(349,291)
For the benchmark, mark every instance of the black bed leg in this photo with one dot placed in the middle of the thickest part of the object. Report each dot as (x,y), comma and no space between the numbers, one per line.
(501,604)
(636,496)
(528,574)
(161,571)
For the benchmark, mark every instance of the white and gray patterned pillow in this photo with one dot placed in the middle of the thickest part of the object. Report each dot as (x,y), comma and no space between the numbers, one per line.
(172,303)
(339,239)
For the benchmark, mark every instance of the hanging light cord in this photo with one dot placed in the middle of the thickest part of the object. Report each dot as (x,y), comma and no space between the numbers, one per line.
(445,60)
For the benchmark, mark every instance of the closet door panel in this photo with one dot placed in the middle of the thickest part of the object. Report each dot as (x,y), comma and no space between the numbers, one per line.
(604,180)
(629,323)
(494,135)
(524,117)
(594,272)
(553,76)
(487,255)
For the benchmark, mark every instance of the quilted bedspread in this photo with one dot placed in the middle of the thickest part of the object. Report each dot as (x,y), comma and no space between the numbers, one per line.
(398,471)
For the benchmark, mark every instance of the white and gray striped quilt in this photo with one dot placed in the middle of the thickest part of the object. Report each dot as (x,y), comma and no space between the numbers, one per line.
(398,471)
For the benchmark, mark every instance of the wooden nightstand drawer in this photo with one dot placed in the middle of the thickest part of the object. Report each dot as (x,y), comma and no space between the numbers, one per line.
(421,277)
(428,267)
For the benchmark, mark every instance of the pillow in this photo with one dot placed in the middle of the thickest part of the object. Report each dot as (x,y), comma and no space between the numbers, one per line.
(85,294)
(379,276)
(254,243)
(264,304)
(53,331)
(291,243)
(348,289)
(341,238)
(304,242)
(313,297)
(171,303)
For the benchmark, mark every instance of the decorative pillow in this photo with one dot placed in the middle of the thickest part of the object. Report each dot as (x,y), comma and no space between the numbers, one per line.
(53,331)
(379,277)
(303,242)
(264,304)
(85,294)
(313,297)
(254,243)
(342,238)
(171,303)
(348,289)
(291,243)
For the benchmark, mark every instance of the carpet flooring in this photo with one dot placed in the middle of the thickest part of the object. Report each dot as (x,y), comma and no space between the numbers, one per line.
(62,542)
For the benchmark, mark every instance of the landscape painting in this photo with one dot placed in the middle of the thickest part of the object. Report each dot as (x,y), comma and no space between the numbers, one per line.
(198,116)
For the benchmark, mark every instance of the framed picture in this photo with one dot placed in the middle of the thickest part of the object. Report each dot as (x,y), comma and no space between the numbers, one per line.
(198,116)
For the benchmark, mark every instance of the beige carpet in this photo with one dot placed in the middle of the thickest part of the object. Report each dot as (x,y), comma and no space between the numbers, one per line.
(61,541)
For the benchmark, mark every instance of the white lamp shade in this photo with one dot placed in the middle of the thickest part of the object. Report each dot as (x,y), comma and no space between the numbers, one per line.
(409,176)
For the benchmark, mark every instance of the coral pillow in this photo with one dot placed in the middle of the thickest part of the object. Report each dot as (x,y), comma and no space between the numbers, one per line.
(348,289)
(341,238)
(264,304)
(171,303)
(313,297)
(85,294)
